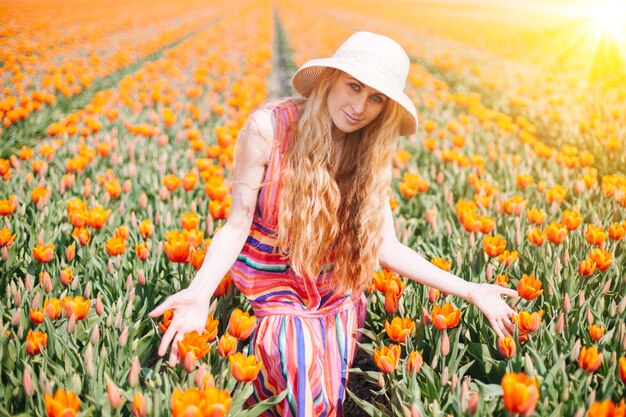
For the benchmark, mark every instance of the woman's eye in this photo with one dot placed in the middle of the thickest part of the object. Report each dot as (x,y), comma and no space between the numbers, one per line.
(355,86)
(377,99)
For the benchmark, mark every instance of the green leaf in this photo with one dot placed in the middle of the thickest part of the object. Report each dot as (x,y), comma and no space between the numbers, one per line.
(260,407)
(367,407)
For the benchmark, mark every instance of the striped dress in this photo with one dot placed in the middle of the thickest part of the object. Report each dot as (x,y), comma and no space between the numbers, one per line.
(305,336)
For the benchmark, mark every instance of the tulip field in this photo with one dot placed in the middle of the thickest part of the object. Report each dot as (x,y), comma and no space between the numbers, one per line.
(118,124)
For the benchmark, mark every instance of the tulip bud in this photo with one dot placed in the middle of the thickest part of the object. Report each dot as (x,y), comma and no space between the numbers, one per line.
(444,375)
(528,365)
(36,303)
(141,278)
(99,306)
(448,227)
(489,272)
(589,316)
(575,351)
(47,282)
(591,398)
(581,299)
(89,365)
(114,394)
(123,337)
(71,324)
(27,383)
(453,381)
(607,286)
(95,335)
(445,343)
(472,240)
(17,300)
(473,403)
(622,305)
(189,361)
(143,201)
(16,317)
(87,292)
(566,304)
(200,374)
(28,282)
(133,375)
(110,267)
(560,324)
(425,316)
(381,380)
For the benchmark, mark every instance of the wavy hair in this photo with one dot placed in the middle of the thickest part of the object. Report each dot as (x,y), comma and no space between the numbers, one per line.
(321,210)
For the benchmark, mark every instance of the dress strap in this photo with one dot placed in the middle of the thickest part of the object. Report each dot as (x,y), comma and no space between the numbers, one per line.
(285,114)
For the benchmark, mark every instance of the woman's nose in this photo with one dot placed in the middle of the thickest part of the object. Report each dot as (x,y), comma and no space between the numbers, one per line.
(358,105)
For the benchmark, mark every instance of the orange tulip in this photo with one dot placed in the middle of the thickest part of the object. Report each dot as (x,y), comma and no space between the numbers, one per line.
(506,347)
(523,181)
(590,359)
(211,327)
(617,231)
(502,280)
(622,369)
(63,404)
(82,234)
(529,322)
(514,205)
(220,209)
(487,224)
(167,319)
(171,182)
(244,368)
(188,403)
(391,303)
(36,315)
(8,207)
(442,263)
(536,236)
(35,341)
(177,247)
(387,358)
(227,345)
(142,251)
(189,221)
(77,306)
(507,258)
(241,324)
(217,403)
(557,233)
(40,194)
(586,267)
(224,285)
(596,332)
(445,317)
(98,217)
(399,329)
(6,238)
(494,245)
(198,344)
(138,407)
(43,253)
(53,308)
(602,258)
(571,219)
(115,246)
(595,235)
(520,393)
(604,408)
(536,216)
(146,228)
(121,232)
(528,287)
(197,258)
(414,362)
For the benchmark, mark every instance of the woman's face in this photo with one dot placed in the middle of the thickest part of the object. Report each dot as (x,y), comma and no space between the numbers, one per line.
(352,104)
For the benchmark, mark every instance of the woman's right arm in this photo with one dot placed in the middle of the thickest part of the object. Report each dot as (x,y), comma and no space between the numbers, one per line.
(191,305)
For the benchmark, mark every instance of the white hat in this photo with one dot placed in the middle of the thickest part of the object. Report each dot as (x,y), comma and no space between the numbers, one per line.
(377,61)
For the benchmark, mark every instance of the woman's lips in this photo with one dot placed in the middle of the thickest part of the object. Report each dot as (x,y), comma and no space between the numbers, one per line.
(351,119)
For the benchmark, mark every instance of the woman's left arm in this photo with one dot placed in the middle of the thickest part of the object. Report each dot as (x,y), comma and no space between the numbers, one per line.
(405,261)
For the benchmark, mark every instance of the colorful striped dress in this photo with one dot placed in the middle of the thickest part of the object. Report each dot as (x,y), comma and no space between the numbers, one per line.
(305,332)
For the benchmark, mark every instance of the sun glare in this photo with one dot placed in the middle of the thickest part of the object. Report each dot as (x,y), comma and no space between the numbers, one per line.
(609,17)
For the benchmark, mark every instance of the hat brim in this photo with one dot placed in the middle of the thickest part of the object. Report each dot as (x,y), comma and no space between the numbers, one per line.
(307,76)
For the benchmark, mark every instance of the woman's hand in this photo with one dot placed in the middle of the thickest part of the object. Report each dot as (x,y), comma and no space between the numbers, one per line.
(190,313)
(487,297)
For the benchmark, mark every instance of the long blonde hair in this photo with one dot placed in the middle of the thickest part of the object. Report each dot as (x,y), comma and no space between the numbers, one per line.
(320,209)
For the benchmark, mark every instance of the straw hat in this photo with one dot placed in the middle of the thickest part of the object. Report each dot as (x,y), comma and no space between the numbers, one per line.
(377,61)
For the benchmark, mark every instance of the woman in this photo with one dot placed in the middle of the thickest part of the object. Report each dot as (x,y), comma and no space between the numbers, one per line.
(310,223)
